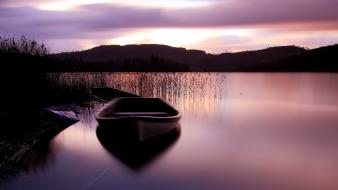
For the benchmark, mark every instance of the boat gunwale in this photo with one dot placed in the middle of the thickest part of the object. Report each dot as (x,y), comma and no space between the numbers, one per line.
(172,118)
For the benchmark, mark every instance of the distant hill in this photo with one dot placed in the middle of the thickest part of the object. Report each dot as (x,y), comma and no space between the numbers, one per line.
(114,52)
(154,57)
(323,59)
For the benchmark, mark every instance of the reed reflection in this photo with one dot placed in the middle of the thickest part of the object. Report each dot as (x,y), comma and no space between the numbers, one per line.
(38,153)
(38,157)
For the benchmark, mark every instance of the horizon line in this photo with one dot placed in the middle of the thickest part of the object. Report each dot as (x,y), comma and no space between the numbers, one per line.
(194,49)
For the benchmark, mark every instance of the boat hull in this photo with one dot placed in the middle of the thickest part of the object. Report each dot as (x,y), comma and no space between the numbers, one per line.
(139,118)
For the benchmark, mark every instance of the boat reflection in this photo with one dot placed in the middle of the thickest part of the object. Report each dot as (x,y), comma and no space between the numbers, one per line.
(132,152)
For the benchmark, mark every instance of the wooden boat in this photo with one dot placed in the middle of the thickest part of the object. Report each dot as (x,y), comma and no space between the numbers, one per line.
(64,113)
(106,94)
(137,118)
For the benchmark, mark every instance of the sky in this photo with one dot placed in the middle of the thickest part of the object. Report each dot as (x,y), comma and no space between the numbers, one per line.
(214,26)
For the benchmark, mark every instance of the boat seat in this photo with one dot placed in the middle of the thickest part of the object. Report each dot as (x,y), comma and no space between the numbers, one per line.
(140,113)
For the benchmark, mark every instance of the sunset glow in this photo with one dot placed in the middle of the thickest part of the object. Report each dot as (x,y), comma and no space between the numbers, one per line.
(177,37)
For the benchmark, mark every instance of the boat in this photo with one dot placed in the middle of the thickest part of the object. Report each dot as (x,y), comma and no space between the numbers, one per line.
(137,118)
(106,94)
(63,113)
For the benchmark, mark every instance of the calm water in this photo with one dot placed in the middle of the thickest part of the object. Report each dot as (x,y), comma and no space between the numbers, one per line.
(238,131)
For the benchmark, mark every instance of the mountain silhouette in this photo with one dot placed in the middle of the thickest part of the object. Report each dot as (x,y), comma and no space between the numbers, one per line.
(153,57)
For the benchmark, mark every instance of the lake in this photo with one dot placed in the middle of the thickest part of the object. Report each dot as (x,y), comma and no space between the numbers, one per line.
(238,131)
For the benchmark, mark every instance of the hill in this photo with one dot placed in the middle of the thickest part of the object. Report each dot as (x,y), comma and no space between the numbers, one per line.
(153,57)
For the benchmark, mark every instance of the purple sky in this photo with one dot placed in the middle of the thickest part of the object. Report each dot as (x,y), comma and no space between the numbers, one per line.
(212,25)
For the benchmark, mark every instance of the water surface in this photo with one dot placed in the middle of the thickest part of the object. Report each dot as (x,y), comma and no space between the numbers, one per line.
(238,131)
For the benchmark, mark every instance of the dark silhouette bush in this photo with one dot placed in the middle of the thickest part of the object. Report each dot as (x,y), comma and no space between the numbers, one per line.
(23,45)
(23,80)
(25,85)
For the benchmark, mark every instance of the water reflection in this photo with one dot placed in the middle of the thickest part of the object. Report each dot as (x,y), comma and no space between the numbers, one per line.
(133,153)
(38,157)
(39,154)
(42,154)
(239,131)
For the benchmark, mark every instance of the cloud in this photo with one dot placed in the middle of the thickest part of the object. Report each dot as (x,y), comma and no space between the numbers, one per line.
(77,23)
(258,12)
(112,20)
(218,14)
